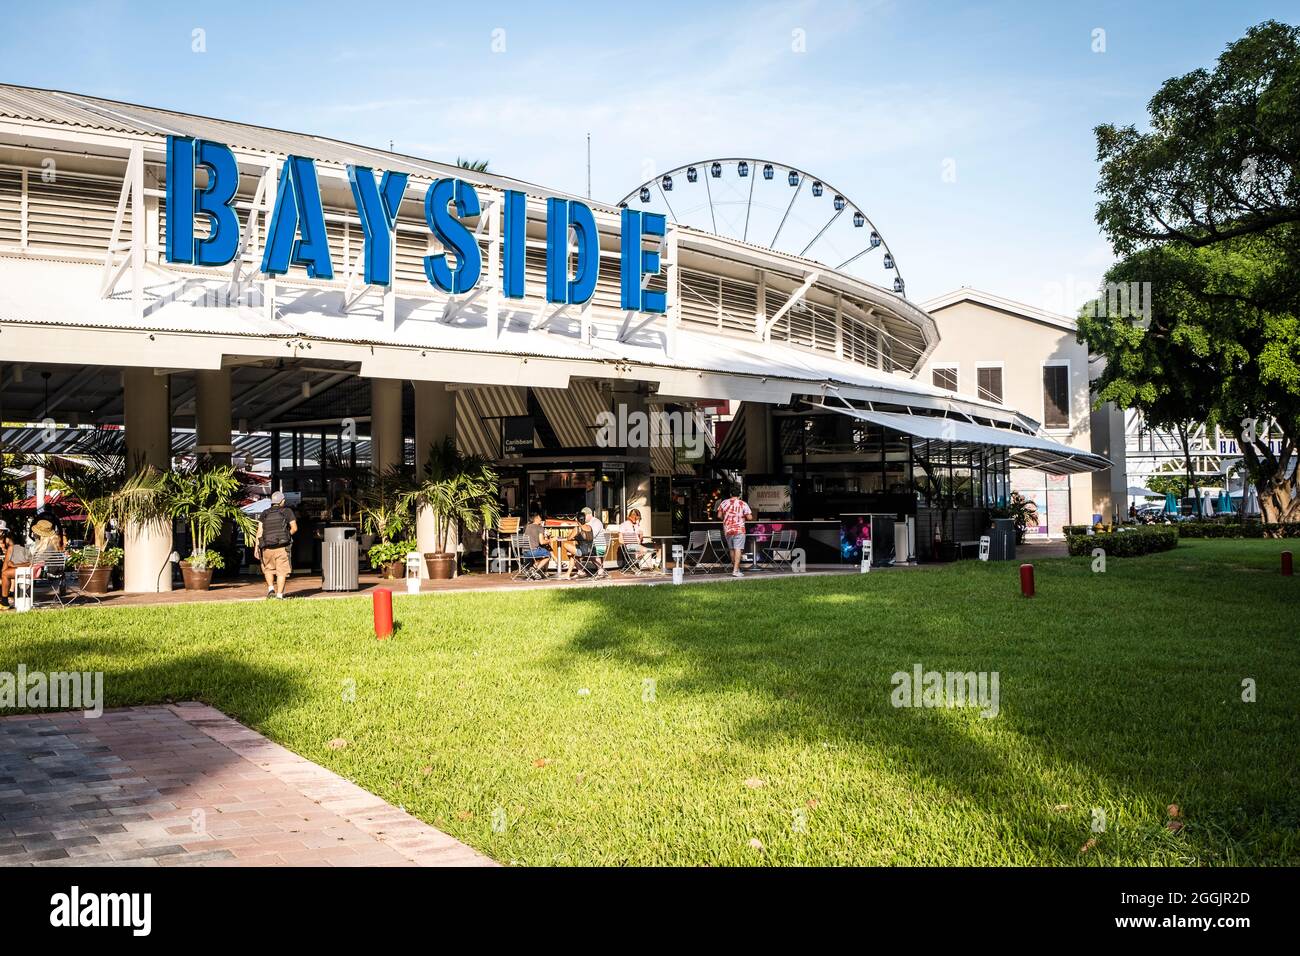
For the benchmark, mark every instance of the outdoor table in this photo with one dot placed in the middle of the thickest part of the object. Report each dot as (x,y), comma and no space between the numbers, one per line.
(557,533)
(663,540)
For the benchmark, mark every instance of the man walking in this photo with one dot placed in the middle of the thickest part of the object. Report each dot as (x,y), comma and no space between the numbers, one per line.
(276,527)
(734,512)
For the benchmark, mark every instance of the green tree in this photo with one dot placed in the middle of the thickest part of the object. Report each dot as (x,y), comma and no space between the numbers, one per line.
(1205,206)
(473,165)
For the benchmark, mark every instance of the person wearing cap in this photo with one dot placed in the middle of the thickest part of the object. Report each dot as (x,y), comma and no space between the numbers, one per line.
(276,527)
(589,518)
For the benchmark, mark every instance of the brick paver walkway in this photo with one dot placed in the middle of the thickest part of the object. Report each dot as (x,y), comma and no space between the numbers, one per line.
(186,785)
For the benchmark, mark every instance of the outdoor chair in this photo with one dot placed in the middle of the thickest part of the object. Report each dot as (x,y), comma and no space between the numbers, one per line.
(699,554)
(50,573)
(93,555)
(717,549)
(779,550)
(637,558)
(593,565)
(522,552)
(506,528)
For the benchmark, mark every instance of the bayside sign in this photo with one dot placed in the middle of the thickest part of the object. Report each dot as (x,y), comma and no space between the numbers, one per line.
(295,232)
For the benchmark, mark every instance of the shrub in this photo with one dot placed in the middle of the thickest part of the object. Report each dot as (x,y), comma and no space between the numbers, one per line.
(1127,542)
(389,551)
(108,558)
(1237,529)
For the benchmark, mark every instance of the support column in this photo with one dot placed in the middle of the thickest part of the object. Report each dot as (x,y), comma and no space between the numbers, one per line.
(212,415)
(435,419)
(385,423)
(147,411)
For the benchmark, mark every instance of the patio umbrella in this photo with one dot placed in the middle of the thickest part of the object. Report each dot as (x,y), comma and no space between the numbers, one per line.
(1171,503)
(1250,501)
(1225,503)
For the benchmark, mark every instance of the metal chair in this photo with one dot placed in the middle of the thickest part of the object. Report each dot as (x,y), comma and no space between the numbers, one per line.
(93,555)
(51,574)
(637,558)
(592,564)
(699,554)
(522,552)
(779,551)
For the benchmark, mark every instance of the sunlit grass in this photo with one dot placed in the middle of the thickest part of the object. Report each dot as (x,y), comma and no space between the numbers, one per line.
(716,715)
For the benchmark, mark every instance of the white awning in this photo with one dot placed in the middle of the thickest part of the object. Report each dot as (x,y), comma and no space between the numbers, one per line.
(1031,451)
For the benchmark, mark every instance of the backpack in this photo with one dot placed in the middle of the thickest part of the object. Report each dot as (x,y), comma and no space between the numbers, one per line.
(19,554)
(275,528)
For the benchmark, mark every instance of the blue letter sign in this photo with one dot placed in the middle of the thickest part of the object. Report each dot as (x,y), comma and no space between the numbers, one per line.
(213,201)
(634,263)
(377,210)
(561,216)
(516,232)
(298,211)
(451,232)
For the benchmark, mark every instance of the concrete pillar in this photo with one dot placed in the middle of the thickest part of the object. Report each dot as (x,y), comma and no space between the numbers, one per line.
(435,419)
(385,423)
(212,415)
(147,410)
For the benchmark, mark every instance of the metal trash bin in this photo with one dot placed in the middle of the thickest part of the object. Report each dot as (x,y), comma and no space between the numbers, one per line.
(339,559)
(1002,544)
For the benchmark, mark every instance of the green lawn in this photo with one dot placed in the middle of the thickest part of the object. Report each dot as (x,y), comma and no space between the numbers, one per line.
(1119,691)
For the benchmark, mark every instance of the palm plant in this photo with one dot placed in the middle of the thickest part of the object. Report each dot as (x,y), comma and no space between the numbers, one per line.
(473,165)
(94,471)
(383,506)
(460,490)
(205,498)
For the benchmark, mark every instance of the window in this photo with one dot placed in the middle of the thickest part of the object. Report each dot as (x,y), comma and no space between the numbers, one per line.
(988,383)
(1056,396)
(945,376)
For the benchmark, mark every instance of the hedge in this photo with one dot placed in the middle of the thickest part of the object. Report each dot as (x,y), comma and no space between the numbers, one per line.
(1237,529)
(1127,542)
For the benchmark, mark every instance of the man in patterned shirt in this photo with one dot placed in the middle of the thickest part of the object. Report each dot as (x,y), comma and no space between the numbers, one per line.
(733,512)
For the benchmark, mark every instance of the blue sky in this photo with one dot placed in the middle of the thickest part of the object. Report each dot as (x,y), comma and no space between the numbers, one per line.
(881,100)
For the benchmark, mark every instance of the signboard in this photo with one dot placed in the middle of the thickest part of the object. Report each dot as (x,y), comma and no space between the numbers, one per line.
(516,434)
(295,229)
(770,499)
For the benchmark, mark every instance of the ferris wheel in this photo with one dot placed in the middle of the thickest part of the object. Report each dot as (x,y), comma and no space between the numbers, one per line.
(775,206)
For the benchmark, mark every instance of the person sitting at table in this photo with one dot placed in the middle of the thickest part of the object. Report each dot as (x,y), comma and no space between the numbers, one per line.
(629,535)
(537,549)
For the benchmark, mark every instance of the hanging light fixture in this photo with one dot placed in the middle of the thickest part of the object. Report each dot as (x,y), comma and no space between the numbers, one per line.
(793,178)
(817,187)
(692,174)
(716,170)
(859,220)
(645,193)
(742,168)
(875,238)
(768,171)
(840,203)
(667,183)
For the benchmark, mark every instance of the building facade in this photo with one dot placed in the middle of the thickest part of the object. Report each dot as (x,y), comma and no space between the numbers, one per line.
(1029,359)
(226,291)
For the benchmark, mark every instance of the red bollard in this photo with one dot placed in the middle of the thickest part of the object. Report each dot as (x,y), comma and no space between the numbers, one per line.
(1286,564)
(383,601)
(1027,580)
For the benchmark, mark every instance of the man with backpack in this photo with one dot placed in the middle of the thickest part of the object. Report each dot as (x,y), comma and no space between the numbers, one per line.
(276,527)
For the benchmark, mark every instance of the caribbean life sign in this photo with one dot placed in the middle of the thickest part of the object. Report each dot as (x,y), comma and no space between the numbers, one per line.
(295,232)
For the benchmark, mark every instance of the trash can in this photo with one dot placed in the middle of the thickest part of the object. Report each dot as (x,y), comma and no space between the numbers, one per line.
(1002,544)
(339,559)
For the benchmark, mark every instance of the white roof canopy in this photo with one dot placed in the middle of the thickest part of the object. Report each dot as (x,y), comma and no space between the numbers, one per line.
(1031,451)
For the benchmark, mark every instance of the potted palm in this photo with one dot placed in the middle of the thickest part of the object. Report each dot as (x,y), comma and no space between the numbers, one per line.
(94,568)
(205,498)
(389,557)
(383,514)
(461,493)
